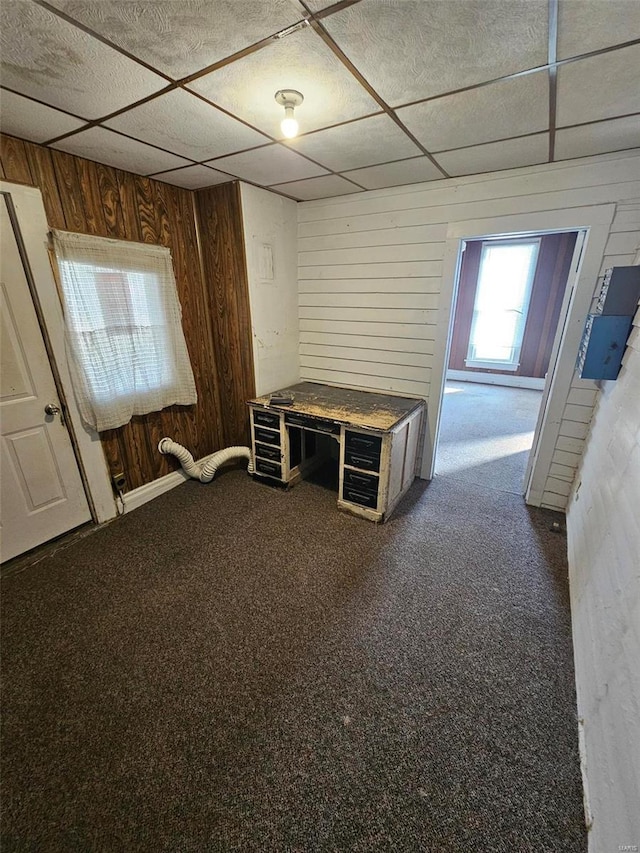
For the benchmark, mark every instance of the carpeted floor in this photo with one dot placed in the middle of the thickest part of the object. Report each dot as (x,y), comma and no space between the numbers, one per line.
(486,433)
(236,668)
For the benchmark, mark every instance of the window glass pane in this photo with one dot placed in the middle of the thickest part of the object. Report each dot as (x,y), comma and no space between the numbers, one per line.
(127,351)
(501,303)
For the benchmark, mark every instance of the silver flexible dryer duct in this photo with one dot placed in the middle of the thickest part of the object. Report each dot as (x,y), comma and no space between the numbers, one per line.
(204,471)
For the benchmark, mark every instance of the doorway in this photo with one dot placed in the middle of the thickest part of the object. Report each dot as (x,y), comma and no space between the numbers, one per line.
(510,293)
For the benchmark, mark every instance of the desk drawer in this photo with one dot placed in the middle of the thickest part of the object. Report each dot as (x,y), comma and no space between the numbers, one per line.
(267,452)
(268,468)
(308,422)
(362,460)
(268,419)
(361,482)
(267,436)
(356,496)
(360,442)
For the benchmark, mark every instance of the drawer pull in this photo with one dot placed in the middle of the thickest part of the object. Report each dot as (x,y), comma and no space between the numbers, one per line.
(267,452)
(366,482)
(360,498)
(362,461)
(266,419)
(268,468)
(267,436)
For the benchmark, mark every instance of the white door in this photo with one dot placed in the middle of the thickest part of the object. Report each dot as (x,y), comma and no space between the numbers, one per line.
(42,494)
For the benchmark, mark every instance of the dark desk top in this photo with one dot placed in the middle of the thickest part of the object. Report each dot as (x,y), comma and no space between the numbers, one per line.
(356,408)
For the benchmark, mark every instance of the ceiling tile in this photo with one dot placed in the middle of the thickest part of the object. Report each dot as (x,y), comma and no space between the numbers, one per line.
(186,125)
(318,5)
(507,108)
(599,87)
(395,174)
(299,61)
(360,143)
(494,156)
(193,177)
(586,25)
(274,164)
(32,120)
(614,135)
(420,48)
(180,38)
(325,187)
(51,60)
(108,147)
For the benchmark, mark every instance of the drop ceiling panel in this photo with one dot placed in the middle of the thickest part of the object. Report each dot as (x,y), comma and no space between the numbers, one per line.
(193,177)
(420,48)
(274,164)
(180,38)
(325,187)
(108,147)
(586,25)
(360,143)
(186,125)
(32,120)
(599,138)
(395,174)
(495,156)
(51,60)
(299,61)
(507,108)
(599,87)
(318,5)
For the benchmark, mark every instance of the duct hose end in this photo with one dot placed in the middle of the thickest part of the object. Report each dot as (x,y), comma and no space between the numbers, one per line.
(161,445)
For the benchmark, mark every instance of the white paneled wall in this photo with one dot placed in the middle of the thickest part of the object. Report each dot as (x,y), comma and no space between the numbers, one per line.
(603,527)
(370,272)
(368,305)
(623,242)
(270,244)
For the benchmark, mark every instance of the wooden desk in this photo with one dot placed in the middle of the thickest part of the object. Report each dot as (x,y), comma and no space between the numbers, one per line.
(376,439)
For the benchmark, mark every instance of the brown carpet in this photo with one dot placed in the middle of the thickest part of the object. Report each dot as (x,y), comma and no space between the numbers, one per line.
(236,668)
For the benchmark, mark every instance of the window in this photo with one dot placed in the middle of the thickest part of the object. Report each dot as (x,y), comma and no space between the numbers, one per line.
(505,280)
(126,346)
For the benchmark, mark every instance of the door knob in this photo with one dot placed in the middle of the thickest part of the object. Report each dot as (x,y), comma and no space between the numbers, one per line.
(52,409)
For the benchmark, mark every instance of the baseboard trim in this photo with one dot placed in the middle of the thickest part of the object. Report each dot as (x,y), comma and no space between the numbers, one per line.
(143,494)
(496,379)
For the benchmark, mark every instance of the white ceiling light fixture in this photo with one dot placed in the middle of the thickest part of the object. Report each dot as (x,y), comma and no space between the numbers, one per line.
(289,98)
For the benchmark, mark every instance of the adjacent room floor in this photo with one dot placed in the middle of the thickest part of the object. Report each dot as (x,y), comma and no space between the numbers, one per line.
(237,668)
(486,433)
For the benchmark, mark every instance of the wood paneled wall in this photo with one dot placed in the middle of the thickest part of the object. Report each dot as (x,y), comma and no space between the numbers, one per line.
(224,264)
(552,269)
(80,195)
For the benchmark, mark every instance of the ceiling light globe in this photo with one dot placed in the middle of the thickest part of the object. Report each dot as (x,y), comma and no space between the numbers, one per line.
(289,127)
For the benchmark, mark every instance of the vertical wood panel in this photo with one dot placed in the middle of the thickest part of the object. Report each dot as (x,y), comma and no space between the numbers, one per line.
(223,255)
(69,189)
(469,271)
(15,164)
(111,202)
(92,202)
(44,177)
(84,196)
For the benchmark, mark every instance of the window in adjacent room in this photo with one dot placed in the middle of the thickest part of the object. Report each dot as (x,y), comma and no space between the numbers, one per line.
(505,279)
(125,342)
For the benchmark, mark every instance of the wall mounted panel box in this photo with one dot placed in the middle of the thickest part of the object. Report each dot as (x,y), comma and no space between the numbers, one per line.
(608,327)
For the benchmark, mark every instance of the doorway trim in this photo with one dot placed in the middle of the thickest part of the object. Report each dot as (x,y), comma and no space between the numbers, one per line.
(595,221)
(32,221)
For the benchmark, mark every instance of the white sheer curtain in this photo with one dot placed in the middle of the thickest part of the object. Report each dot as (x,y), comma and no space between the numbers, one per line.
(125,342)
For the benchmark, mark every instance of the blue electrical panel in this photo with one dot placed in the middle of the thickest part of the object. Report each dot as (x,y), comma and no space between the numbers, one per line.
(607,329)
(603,342)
